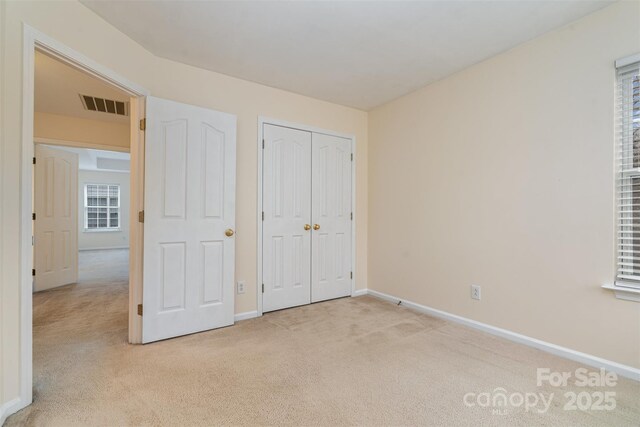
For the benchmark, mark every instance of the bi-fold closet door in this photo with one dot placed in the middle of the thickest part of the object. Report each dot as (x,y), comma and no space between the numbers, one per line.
(307,217)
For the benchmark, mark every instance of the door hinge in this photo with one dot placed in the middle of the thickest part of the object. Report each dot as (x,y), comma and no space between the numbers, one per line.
(33,216)
(352,157)
(141,216)
(263,288)
(351,216)
(143,124)
(33,271)
(34,160)
(351,275)
(139,309)
(263,143)
(263,215)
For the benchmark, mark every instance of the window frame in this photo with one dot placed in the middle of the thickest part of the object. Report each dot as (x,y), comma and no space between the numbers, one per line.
(109,209)
(626,152)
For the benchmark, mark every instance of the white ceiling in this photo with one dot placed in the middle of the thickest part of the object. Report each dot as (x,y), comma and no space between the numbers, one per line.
(99,160)
(356,53)
(58,87)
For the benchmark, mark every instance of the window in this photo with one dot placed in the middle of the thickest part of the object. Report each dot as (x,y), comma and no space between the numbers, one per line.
(101,207)
(628,169)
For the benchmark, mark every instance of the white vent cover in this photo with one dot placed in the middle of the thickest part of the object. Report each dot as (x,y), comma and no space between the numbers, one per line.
(92,103)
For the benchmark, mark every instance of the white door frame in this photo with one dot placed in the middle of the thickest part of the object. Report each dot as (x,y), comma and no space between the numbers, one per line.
(35,40)
(261,122)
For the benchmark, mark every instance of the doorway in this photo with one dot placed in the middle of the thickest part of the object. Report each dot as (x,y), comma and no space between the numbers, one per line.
(306,225)
(81,218)
(34,43)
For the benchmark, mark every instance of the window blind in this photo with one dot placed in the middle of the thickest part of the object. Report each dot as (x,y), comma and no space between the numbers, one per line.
(628,171)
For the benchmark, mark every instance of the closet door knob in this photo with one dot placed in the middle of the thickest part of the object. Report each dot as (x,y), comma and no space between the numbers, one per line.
(307,227)
(229,232)
(316,226)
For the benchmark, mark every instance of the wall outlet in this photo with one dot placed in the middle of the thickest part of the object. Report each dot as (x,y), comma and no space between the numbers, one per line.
(240,287)
(475,292)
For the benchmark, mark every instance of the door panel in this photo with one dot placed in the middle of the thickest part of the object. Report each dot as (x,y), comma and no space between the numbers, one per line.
(189,262)
(331,242)
(56,225)
(287,209)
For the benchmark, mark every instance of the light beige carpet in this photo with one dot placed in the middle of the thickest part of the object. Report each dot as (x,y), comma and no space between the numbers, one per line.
(353,361)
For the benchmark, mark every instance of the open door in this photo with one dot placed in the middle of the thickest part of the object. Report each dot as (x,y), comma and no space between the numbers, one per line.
(189,220)
(56,218)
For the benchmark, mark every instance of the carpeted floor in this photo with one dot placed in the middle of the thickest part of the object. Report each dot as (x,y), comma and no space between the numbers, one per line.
(353,361)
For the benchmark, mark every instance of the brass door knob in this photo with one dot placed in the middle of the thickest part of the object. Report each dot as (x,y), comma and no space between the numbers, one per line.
(316,226)
(307,227)
(229,232)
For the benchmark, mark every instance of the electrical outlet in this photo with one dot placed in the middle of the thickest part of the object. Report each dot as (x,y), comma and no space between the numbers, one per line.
(240,287)
(475,292)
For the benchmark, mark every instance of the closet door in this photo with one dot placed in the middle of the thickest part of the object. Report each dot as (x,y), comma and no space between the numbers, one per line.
(331,240)
(287,216)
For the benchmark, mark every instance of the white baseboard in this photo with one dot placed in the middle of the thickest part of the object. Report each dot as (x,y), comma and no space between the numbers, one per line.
(584,358)
(246,315)
(359,292)
(9,408)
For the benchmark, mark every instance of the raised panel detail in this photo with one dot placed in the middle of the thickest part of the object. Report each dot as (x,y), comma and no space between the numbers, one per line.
(340,253)
(212,271)
(172,274)
(341,156)
(65,197)
(66,250)
(297,260)
(174,140)
(278,178)
(323,184)
(49,252)
(278,262)
(49,185)
(296,181)
(213,167)
(323,243)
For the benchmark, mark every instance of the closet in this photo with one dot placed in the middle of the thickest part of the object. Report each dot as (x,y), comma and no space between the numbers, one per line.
(306,217)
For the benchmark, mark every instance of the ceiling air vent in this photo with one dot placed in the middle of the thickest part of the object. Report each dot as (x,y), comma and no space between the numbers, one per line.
(110,106)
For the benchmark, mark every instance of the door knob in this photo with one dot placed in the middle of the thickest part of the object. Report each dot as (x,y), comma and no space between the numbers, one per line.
(229,232)
(316,226)
(307,227)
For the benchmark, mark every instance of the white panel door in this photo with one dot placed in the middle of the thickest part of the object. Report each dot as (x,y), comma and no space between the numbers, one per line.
(331,240)
(189,260)
(286,199)
(56,225)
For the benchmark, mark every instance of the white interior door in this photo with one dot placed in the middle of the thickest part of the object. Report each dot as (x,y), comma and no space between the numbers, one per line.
(331,240)
(56,224)
(287,217)
(189,256)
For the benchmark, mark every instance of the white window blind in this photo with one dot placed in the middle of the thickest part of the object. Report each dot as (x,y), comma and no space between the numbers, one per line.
(628,170)
(101,207)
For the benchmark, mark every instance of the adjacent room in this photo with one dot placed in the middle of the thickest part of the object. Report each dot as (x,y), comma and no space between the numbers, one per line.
(320,213)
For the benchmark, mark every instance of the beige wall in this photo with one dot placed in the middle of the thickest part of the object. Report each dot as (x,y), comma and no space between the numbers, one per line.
(104,239)
(93,37)
(82,132)
(503,176)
